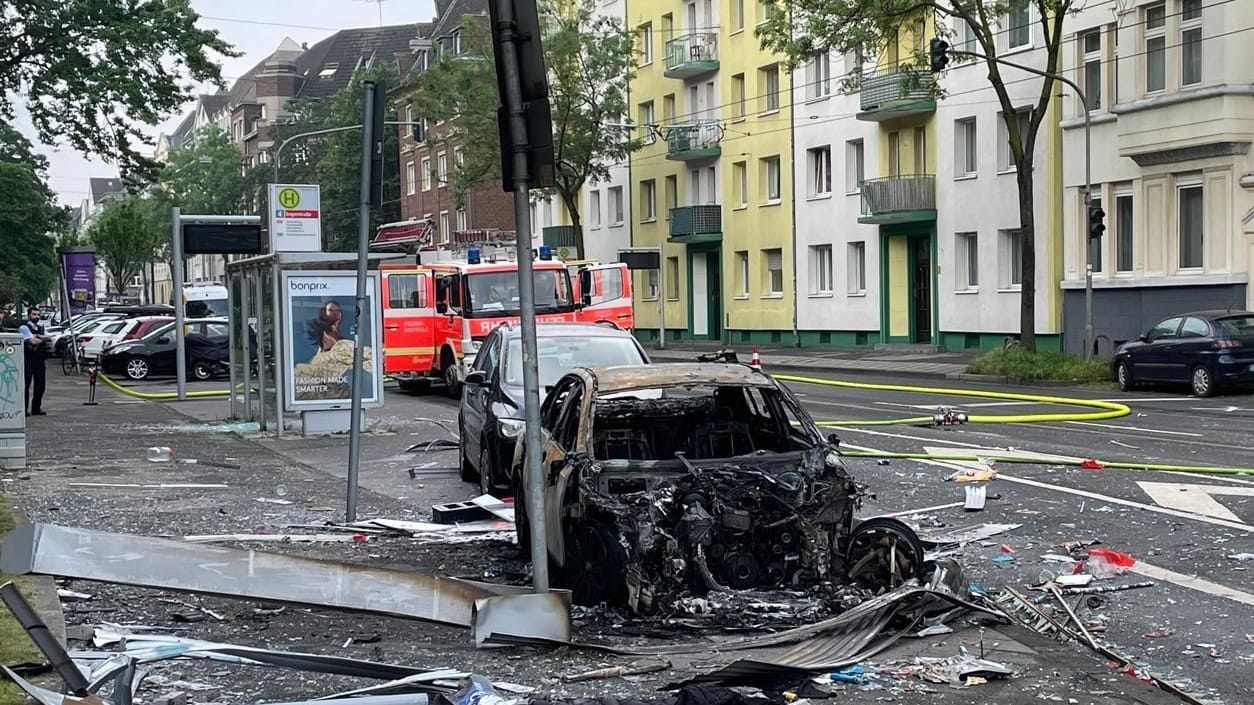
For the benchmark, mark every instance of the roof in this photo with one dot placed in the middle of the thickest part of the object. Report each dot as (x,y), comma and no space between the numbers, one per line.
(346,50)
(610,380)
(102,187)
(449,14)
(1218,313)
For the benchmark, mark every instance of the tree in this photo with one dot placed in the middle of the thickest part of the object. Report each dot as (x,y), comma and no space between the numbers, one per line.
(206,177)
(125,240)
(93,72)
(799,28)
(590,62)
(334,161)
(29,220)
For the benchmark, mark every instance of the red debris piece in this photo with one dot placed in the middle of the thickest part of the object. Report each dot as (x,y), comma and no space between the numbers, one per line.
(1115,558)
(1007,549)
(1091,464)
(359,538)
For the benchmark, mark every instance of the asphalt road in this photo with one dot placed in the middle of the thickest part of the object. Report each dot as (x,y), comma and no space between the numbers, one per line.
(1182,528)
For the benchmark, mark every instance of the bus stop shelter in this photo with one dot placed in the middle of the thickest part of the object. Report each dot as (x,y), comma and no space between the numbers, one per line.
(254,287)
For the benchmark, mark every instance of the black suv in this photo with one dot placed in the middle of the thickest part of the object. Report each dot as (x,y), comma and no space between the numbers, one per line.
(491,416)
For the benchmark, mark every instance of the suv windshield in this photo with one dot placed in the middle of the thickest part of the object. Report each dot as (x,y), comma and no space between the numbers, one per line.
(492,293)
(560,355)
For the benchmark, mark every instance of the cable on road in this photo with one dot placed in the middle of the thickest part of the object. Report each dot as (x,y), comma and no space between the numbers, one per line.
(162,395)
(1105,409)
(1047,460)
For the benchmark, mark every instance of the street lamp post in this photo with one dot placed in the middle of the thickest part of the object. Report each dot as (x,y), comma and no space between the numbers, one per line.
(278,152)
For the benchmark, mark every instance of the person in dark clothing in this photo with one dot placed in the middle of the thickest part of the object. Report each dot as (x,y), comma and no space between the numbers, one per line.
(35,347)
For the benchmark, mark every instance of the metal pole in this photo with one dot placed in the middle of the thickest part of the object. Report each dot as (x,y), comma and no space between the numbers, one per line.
(363,252)
(513,101)
(232,320)
(276,344)
(661,297)
(1088,182)
(180,315)
(260,306)
(245,303)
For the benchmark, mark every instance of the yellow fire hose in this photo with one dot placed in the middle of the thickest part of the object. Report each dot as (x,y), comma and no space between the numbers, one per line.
(161,395)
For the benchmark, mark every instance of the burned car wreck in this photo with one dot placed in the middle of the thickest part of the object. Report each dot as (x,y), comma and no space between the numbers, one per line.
(682,479)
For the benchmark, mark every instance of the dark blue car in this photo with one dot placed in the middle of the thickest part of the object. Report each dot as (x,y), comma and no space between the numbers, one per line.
(1208,350)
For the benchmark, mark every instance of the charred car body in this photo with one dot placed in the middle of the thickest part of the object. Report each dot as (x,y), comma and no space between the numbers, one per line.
(674,479)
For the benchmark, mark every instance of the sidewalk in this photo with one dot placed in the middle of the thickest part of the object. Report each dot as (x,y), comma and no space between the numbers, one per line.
(864,360)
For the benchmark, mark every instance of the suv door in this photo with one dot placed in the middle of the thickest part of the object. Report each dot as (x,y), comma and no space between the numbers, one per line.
(1153,360)
(1194,340)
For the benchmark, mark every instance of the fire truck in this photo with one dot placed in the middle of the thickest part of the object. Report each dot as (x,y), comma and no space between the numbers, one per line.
(438,310)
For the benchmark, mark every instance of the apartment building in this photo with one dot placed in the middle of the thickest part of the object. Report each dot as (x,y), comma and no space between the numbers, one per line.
(1172,118)
(606,204)
(712,187)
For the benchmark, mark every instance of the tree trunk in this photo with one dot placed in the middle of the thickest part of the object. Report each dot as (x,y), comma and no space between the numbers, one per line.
(571,199)
(1027,228)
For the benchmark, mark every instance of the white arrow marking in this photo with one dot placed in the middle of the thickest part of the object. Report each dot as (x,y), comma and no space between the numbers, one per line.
(1226,409)
(1197,499)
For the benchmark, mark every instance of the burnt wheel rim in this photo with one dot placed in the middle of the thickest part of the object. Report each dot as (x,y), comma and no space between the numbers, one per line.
(590,566)
(884,554)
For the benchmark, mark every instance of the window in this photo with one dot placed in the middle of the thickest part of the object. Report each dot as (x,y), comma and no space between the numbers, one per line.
(644,111)
(966,37)
(1012,259)
(1155,48)
(740,182)
(773,261)
(738,14)
(1194,328)
(738,95)
(1095,244)
(894,153)
(407,290)
(668,108)
(821,269)
(1164,329)
(594,209)
(966,147)
(1020,22)
(672,278)
(459,158)
(820,160)
(763,10)
(854,166)
(857,267)
(426,174)
(444,228)
(461,219)
(668,27)
(672,194)
(1092,44)
(650,285)
(616,205)
(1191,42)
(1192,214)
(768,78)
(1123,233)
(411,182)
(1005,157)
(770,179)
(648,201)
(819,75)
(920,151)
(442,170)
(646,43)
(968,261)
(742,273)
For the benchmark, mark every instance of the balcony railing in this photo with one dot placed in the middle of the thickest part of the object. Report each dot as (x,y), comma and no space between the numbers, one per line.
(559,236)
(691,55)
(692,223)
(694,140)
(899,199)
(891,94)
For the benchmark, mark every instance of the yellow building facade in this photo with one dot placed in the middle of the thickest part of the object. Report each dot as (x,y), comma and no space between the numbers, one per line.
(713,186)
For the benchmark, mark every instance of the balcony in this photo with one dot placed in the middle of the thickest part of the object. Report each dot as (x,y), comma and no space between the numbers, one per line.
(694,224)
(691,55)
(890,95)
(559,236)
(899,199)
(689,141)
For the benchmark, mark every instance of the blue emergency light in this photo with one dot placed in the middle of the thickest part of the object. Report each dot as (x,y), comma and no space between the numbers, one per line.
(472,255)
(546,252)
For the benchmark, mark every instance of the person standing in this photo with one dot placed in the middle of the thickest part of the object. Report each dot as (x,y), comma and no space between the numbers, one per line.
(36,351)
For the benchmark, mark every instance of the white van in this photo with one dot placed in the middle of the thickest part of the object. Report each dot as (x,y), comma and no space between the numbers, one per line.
(205,300)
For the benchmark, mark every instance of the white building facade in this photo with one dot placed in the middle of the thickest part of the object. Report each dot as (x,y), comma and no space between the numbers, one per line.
(1171,91)
(606,205)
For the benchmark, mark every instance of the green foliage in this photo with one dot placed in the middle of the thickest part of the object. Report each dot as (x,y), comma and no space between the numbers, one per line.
(207,177)
(29,220)
(1024,364)
(590,63)
(15,645)
(334,161)
(125,239)
(93,72)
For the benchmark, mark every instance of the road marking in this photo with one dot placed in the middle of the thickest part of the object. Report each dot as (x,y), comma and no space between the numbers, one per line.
(1137,428)
(1226,409)
(1138,400)
(1192,581)
(1198,499)
(924,510)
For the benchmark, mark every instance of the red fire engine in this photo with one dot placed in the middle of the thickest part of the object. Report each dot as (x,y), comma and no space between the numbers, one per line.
(437,311)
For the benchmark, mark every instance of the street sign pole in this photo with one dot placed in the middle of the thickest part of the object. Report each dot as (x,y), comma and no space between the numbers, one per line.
(180,344)
(661,299)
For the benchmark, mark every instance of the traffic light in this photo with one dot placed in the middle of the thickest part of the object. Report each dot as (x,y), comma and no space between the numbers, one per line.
(939,54)
(1096,216)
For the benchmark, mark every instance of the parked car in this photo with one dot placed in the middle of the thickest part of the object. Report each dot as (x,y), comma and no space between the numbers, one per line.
(491,415)
(80,323)
(1208,350)
(154,354)
(146,325)
(105,334)
(668,479)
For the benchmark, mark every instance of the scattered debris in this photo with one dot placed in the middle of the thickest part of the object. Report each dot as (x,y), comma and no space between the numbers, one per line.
(1242,557)
(1073,580)
(271,538)
(1106,588)
(965,535)
(71,595)
(1124,445)
(1157,634)
(269,500)
(635,669)
(1105,563)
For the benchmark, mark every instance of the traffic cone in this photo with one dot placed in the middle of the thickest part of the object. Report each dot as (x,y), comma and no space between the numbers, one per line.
(756,361)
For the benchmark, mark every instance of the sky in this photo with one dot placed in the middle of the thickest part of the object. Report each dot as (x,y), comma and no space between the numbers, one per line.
(254,28)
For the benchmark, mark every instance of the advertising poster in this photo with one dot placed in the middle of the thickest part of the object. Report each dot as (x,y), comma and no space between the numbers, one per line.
(322,330)
(80,278)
